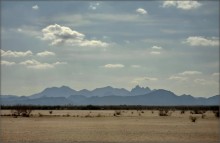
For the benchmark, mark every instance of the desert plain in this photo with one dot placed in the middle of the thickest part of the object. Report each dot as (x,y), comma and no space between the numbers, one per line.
(104,126)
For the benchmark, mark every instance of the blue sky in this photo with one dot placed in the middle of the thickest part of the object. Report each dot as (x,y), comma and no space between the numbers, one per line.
(173,45)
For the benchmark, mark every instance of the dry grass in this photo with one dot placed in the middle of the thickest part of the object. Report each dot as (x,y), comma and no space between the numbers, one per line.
(103,127)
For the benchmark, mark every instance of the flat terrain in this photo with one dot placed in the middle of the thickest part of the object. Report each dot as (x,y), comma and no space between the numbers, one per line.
(80,126)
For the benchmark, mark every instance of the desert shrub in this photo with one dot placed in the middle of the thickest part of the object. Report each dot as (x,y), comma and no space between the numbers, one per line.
(152,112)
(40,115)
(88,116)
(193,118)
(21,112)
(139,114)
(132,112)
(216,114)
(196,112)
(142,111)
(164,113)
(203,116)
(51,112)
(99,115)
(182,112)
(117,113)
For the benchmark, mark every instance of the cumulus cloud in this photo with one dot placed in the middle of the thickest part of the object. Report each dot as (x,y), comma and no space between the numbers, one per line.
(141,11)
(156,47)
(46,53)
(201,81)
(113,66)
(156,50)
(185,5)
(93,43)
(201,41)
(178,78)
(35,7)
(7,63)
(10,53)
(190,73)
(34,64)
(57,35)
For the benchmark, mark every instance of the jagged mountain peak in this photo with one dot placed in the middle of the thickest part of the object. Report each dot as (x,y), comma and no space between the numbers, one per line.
(109,96)
(137,90)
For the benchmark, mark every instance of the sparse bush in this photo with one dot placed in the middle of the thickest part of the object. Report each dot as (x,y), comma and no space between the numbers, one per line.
(216,114)
(152,112)
(51,112)
(99,115)
(142,111)
(117,113)
(132,112)
(193,118)
(203,116)
(182,112)
(164,113)
(40,115)
(88,116)
(21,112)
(139,114)
(196,112)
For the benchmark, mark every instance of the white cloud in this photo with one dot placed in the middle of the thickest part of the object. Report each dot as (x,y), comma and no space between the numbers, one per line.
(201,41)
(7,63)
(93,43)
(215,74)
(179,78)
(33,64)
(201,81)
(190,73)
(57,35)
(59,63)
(35,7)
(141,11)
(150,78)
(94,5)
(185,5)
(155,53)
(142,79)
(113,66)
(19,30)
(169,3)
(156,48)
(135,66)
(15,53)
(46,53)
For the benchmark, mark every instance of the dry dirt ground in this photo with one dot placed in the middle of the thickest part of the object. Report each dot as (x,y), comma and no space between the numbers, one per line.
(77,126)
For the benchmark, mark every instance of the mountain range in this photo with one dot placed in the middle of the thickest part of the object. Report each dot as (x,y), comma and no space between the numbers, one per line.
(64,95)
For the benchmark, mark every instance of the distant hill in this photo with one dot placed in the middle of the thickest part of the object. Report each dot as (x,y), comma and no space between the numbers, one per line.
(107,96)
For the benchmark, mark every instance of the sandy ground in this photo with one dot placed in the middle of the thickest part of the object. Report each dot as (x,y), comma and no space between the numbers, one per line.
(103,127)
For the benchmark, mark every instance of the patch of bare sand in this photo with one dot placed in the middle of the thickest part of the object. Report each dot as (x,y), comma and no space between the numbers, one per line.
(128,128)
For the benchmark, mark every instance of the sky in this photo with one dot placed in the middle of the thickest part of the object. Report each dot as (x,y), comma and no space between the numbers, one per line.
(172,45)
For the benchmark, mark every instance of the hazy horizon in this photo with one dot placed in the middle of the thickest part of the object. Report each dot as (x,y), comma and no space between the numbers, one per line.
(86,45)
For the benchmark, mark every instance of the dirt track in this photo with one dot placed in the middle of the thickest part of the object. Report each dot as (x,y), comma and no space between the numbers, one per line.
(127,128)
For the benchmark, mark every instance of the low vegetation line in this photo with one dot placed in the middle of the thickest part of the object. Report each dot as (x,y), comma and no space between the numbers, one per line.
(108,107)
